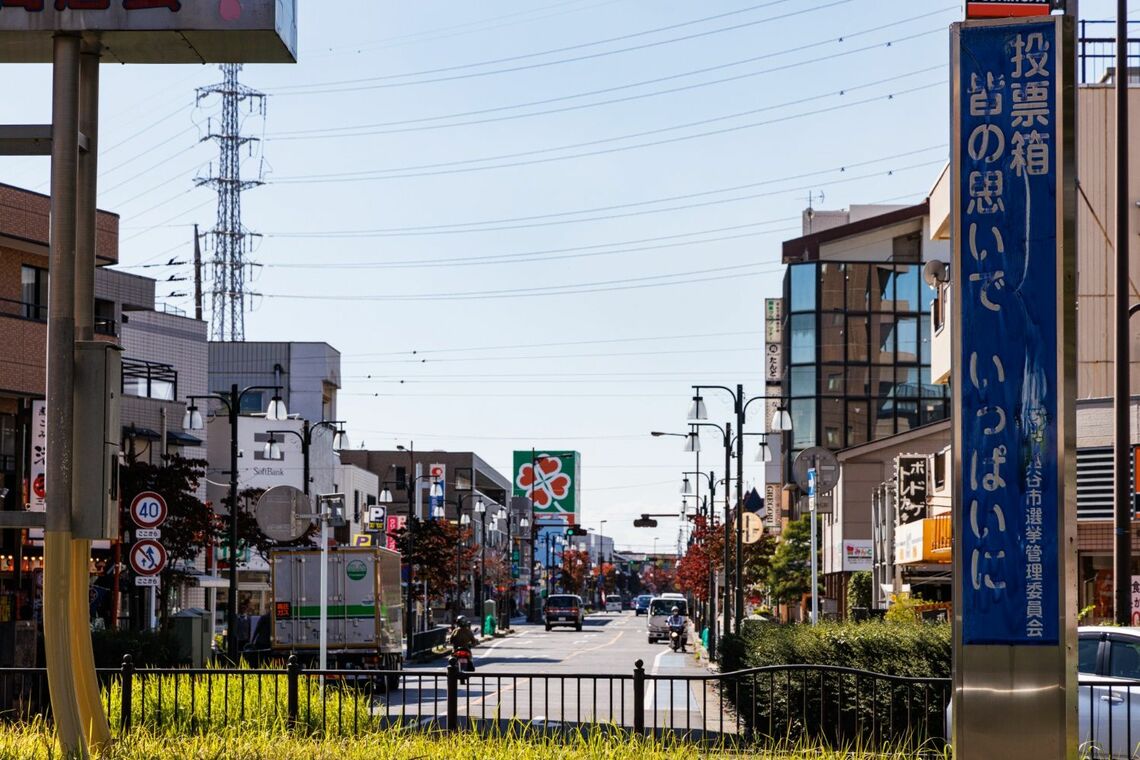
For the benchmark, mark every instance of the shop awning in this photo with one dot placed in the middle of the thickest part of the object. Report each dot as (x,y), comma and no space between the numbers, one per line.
(133,431)
(178,438)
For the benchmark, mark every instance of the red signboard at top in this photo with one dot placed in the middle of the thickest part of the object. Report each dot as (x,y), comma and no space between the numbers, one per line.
(1007,8)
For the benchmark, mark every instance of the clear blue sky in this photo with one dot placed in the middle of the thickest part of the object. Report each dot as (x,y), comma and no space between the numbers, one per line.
(776,99)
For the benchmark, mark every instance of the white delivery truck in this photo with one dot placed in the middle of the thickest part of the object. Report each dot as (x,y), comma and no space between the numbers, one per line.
(365,608)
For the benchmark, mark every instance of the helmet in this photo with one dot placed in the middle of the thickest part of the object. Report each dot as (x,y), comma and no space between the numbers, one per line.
(676,610)
(462,620)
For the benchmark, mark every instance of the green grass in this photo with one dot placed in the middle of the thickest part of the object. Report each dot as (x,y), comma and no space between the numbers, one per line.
(36,742)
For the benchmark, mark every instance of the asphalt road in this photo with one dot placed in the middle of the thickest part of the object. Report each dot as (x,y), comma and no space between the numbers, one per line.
(567,677)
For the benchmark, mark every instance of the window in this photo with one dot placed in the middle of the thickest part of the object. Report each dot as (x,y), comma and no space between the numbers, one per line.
(802,380)
(832,340)
(858,296)
(1087,649)
(832,283)
(803,423)
(34,292)
(1123,659)
(105,317)
(939,308)
(145,379)
(802,338)
(940,470)
(803,284)
(907,284)
(253,402)
(907,332)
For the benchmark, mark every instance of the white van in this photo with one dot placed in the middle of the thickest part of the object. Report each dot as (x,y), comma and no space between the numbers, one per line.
(660,608)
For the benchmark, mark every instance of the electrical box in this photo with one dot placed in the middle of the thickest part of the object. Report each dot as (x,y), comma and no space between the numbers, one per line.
(98,433)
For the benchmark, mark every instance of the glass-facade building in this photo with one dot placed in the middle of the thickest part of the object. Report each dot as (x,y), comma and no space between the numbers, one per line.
(856,343)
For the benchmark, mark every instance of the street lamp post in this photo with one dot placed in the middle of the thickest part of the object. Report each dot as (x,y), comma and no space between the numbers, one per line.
(707,510)
(411,481)
(340,441)
(740,406)
(464,522)
(193,421)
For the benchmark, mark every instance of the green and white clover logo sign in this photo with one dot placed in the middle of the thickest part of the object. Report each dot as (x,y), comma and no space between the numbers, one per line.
(549,479)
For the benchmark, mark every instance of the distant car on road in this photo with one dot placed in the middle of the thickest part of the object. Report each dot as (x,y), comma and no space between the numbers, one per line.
(613,603)
(563,609)
(641,604)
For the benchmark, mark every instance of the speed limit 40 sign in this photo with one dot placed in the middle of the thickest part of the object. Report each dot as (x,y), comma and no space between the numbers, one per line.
(148,509)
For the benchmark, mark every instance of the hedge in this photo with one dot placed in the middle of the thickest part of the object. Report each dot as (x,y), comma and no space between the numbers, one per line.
(918,650)
(840,709)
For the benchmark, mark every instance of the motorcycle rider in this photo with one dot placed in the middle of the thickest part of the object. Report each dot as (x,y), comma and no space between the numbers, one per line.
(676,622)
(461,637)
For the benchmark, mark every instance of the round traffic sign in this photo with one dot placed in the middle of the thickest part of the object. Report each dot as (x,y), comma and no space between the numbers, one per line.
(826,466)
(148,509)
(279,513)
(753,528)
(148,557)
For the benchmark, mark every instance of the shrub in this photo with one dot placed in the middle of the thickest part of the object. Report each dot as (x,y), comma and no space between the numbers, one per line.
(919,650)
(838,708)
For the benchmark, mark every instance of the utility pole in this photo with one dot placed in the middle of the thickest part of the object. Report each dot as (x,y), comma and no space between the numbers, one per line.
(197,274)
(230,238)
(1122,467)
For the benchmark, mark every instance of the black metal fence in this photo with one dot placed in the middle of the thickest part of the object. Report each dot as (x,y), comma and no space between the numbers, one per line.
(1096,50)
(837,707)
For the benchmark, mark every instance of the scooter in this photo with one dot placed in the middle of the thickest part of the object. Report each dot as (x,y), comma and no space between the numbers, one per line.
(677,638)
(466,663)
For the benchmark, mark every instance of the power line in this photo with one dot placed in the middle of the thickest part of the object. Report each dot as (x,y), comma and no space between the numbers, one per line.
(632,283)
(451,167)
(406,125)
(329,87)
(496,225)
(461,29)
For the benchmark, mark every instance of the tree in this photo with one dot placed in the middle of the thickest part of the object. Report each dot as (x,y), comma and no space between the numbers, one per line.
(430,546)
(789,573)
(704,553)
(656,579)
(575,569)
(859,590)
(190,525)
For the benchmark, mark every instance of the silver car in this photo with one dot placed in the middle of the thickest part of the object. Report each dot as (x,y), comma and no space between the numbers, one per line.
(660,607)
(1108,692)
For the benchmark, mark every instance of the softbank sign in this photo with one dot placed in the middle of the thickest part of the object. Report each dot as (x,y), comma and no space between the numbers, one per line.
(255,469)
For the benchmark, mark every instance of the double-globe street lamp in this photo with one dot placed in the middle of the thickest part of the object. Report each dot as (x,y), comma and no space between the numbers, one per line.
(464,520)
(305,435)
(192,420)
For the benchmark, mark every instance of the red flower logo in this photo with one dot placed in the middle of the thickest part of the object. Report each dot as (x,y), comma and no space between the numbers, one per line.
(544,481)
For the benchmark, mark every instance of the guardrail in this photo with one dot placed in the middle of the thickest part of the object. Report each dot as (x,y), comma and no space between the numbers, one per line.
(425,641)
(761,707)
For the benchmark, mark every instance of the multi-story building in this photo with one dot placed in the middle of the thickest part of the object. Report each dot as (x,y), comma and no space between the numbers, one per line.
(164,356)
(466,480)
(856,358)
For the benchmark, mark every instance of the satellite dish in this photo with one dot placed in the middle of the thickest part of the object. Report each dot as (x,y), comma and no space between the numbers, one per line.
(279,511)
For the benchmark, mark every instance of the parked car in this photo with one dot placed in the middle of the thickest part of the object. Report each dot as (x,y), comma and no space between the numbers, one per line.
(641,604)
(660,608)
(563,609)
(1108,692)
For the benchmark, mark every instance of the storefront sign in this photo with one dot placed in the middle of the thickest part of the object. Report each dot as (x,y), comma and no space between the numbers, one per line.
(856,555)
(910,488)
(549,479)
(1008,191)
(37,487)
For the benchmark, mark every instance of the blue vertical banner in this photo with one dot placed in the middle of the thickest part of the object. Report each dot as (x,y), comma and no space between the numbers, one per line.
(1007,246)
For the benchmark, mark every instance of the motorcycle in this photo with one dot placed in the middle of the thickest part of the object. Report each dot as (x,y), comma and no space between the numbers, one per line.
(677,638)
(465,662)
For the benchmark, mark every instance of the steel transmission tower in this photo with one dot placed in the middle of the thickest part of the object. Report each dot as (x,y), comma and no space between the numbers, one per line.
(230,240)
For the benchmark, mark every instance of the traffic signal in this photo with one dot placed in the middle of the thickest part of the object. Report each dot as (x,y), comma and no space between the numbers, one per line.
(575,530)
(645,522)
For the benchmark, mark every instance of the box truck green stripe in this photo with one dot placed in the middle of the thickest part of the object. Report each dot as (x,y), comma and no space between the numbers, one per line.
(336,610)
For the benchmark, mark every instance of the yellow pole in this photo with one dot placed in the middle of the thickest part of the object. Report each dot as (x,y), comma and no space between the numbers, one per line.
(93,718)
(58,620)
